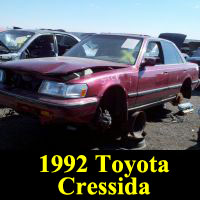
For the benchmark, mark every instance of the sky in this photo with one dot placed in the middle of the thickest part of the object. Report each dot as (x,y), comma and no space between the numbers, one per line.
(150,17)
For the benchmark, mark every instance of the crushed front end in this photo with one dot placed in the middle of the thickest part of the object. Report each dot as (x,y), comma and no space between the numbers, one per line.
(21,91)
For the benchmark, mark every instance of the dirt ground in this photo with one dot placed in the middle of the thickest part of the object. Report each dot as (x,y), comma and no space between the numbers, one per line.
(163,133)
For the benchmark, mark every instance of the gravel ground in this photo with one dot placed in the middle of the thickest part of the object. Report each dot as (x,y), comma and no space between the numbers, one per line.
(163,133)
(23,133)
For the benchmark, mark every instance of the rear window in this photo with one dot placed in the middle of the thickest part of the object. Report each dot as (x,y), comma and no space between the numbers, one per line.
(65,40)
(171,54)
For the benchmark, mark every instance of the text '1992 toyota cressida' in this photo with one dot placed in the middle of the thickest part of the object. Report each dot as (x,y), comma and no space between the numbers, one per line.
(105,81)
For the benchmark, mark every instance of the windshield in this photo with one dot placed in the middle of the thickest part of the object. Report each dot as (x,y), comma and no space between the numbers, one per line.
(113,48)
(14,39)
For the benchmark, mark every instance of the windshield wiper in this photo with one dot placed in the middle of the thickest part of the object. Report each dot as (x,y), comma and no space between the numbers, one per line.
(2,44)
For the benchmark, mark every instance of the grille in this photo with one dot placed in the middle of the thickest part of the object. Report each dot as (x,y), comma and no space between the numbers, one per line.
(22,81)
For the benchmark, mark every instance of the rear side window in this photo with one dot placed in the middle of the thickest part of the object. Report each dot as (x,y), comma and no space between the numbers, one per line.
(171,55)
(65,40)
(65,43)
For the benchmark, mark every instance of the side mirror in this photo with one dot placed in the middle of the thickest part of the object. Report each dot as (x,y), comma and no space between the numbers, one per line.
(149,61)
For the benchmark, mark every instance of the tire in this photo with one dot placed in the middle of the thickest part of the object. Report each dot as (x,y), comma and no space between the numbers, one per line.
(137,124)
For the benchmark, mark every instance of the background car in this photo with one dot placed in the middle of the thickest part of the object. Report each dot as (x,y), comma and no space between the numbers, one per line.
(22,44)
(195,57)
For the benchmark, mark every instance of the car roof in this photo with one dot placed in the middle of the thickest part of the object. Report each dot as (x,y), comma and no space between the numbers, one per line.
(137,36)
(78,35)
(127,35)
(81,35)
(146,37)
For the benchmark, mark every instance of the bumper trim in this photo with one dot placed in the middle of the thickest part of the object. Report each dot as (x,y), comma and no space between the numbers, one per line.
(92,101)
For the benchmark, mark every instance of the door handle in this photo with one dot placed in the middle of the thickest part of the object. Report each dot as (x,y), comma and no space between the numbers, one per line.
(165,72)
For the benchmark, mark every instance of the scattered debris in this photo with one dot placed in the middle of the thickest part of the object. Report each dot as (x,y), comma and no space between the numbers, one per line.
(176,118)
(185,108)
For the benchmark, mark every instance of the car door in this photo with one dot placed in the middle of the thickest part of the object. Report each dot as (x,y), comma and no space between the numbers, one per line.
(175,65)
(153,80)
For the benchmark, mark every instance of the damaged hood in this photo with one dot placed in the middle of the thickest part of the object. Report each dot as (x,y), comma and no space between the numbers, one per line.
(58,65)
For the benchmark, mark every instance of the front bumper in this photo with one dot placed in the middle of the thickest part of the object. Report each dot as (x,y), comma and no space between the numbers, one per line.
(49,109)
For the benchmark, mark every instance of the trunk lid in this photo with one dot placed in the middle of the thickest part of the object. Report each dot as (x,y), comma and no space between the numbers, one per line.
(177,38)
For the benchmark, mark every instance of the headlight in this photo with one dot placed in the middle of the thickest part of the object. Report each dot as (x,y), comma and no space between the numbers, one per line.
(2,76)
(63,90)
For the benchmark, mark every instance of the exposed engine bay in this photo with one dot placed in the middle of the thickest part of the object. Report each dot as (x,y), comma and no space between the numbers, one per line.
(32,82)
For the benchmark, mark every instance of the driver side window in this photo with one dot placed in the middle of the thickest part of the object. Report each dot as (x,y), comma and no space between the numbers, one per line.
(43,46)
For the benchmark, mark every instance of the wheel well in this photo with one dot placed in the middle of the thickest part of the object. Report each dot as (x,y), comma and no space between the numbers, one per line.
(186,88)
(115,100)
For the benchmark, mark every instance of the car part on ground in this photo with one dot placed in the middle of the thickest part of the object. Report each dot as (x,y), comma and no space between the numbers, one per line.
(185,106)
